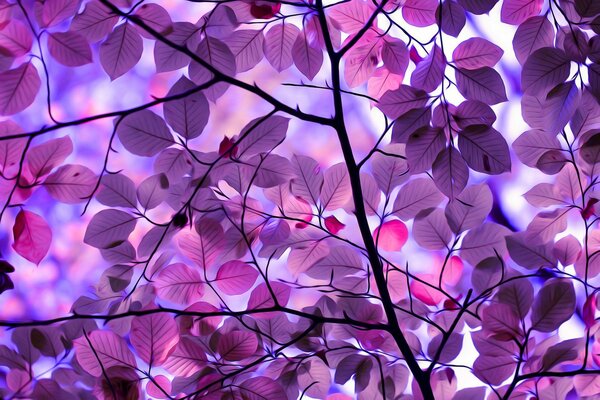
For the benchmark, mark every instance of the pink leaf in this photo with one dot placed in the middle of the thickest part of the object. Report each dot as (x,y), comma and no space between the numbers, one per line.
(18,88)
(383,81)
(121,51)
(69,48)
(32,236)
(188,357)
(516,11)
(206,245)
(153,337)
(427,294)
(71,184)
(237,345)
(159,387)
(352,16)
(362,59)
(180,284)
(235,277)
(391,235)
(105,350)
(278,44)
(144,133)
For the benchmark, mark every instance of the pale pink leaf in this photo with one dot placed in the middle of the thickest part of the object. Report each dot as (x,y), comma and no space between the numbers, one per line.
(180,284)
(352,16)
(71,183)
(32,236)
(362,59)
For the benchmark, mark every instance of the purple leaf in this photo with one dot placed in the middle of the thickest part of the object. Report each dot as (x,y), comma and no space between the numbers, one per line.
(518,295)
(121,50)
(108,228)
(303,257)
(187,116)
(561,352)
(156,18)
(501,323)
(423,147)
(429,73)
(389,171)
(339,263)
(278,44)
(105,350)
(546,225)
(531,35)
(43,158)
(309,179)
(362,59)
(71,184)
(32,236)
(483,84)
(494,370)
(15,38)
(533,144)
(394,54)
(451,17)
(420,13)
(206,245)
(10,150)
(485,150)
(308,57)
(450,172)
(261,296)
(215,53)
(560,105)
(473,112)
(188,357)
(416,195)
(153,337)
(336,190)
(544,69)
(18,88)
(515,12)
(153,191)
(528,255)
(69,48)
(451,349)
(431,230)
(554,304)
(167,58)
(486,240)
(409,122)
(351,17)
(144,133)
(54,12)
(478,7)
(395,103)
(567,250)
(117,190)
(95,22)
(476,53)
(246,45)
(262,137)
(260,388)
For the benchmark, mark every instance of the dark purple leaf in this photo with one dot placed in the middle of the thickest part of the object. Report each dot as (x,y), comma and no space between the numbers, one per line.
(451,17)
(544,69)
(423,147)
(476,53)
(394,103)
(121,51)
(144,133)
(187,116)
(483,84)
(450,172)
(531,35)
(554,304)
(485,150)
(429,73)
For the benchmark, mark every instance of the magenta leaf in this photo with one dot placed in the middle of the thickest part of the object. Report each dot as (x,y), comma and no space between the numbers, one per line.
(237,345)
(351,17)
(515,12)
(187,116)
(391,235)
(144,133)
(71,183)
(153,337)
(187,358)
(18,88)
(482,84)
(420,13)
(235,277)
(105,350)
(15,38)
(485,150)
(32,236)
(109,228)
(121,50)
(180,284)
(554,304)
(69,48)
